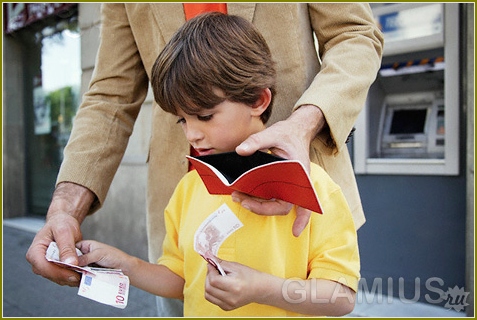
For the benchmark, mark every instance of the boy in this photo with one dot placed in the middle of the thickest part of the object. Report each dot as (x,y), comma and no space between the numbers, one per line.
(217,76)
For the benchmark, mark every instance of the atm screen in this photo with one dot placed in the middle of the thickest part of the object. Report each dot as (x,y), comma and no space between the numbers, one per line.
(408,121)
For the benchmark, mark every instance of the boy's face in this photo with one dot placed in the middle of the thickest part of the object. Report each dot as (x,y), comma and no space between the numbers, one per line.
(222,128)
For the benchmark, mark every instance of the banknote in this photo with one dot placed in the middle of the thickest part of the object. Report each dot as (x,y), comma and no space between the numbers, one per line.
(53,255)
(212,233)
(107,286)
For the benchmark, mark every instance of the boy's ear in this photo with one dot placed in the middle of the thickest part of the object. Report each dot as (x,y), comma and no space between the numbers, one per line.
(262,103)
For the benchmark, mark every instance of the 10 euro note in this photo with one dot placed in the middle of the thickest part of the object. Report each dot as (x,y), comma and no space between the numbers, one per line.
(107,286)
(213,232)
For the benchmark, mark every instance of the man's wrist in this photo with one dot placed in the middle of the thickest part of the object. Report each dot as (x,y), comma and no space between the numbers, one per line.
(72,199)
(311,118)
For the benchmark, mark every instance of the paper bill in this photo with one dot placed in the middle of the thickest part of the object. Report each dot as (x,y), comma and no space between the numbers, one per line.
(214,262)
(53,255)
(212,233)
(107,286)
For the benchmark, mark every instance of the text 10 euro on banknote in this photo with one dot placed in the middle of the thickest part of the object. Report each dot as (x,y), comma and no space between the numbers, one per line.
(107,286)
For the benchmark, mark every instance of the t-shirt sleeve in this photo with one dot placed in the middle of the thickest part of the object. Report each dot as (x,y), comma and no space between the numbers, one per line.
(333,241)
(172,257)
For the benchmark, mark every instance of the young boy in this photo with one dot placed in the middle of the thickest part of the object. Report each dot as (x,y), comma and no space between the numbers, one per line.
(217,76)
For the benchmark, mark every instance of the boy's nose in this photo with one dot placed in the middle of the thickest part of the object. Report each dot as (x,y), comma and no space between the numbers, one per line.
(193,133)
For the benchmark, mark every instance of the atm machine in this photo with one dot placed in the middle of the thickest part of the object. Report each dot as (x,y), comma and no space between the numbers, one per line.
(410,124)
(406,153)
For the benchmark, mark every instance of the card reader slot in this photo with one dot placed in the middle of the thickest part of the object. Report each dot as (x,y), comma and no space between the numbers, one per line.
(406,145)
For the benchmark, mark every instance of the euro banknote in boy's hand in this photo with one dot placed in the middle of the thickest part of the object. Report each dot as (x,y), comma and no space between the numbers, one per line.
(107,286)
(212,233)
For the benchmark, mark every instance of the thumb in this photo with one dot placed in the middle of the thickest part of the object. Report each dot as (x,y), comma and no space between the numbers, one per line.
(230,267)
(301,220)
(67,250)
(90,255)
(251,144)
(65,233)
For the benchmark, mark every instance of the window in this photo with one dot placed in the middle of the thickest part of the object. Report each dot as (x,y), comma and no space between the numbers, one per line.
(56,86)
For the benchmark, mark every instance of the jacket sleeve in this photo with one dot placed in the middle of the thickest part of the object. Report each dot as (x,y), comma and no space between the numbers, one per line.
(106,116)
(350,48)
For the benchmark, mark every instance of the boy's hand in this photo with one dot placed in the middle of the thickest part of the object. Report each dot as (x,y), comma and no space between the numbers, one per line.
(101,254)
(238,288)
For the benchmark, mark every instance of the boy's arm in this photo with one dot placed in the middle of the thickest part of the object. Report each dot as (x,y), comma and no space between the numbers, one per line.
(153,278)
(319,297)
(244,285)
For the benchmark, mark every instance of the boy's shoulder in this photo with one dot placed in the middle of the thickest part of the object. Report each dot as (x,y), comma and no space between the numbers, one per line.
(321,179)
(318,171)
(190,178)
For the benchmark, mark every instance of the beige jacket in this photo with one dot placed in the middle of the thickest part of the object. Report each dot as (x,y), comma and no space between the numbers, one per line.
(350,47)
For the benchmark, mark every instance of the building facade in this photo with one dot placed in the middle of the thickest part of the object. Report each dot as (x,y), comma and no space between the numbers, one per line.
(32,152)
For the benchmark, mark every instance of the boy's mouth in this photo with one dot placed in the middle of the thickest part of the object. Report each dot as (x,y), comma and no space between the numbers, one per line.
(204,152)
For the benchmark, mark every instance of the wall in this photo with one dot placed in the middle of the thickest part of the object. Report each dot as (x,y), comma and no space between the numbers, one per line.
(14,197)
(415,229)
(469,86)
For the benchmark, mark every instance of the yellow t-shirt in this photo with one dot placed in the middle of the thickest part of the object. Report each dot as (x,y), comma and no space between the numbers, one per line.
(327,248)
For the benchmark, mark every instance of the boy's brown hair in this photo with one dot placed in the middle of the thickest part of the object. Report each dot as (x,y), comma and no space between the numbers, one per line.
(209,52)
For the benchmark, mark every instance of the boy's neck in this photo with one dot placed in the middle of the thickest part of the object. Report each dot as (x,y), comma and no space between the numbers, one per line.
(258,128)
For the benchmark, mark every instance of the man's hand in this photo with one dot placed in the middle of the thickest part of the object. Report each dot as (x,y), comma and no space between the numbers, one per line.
(274,207)
(69,206)
(289,139)
(63,229)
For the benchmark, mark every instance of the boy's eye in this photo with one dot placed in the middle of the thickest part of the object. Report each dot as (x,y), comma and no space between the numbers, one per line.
(180,121)
(204,118)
